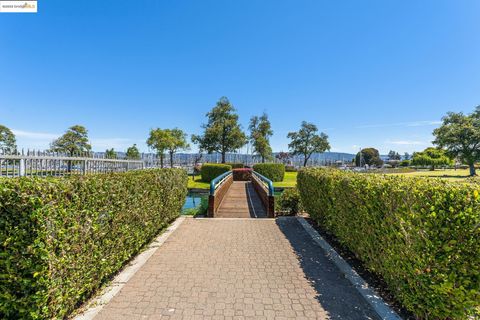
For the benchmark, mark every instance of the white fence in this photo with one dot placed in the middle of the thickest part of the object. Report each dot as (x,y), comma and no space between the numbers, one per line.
(55,164)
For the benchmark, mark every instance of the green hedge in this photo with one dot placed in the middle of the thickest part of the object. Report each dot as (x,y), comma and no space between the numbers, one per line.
(62,238)
(210,171)
(273,171)
(421,235)
(236,165)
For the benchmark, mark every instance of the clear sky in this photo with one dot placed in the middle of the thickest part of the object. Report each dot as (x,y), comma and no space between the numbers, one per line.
(368,73)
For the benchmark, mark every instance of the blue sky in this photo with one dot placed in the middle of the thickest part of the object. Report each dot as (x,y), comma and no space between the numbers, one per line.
(368,73)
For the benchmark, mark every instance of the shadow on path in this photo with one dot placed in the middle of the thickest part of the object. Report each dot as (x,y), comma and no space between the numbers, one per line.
(334,292)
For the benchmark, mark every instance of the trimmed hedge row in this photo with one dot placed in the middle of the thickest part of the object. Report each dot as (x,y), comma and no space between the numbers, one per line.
(61,238)
(236,165)
(273,171)
(210,171)
(421,235)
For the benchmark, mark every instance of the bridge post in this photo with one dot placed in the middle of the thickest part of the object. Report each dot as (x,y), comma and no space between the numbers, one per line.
(211,206)
(271,207)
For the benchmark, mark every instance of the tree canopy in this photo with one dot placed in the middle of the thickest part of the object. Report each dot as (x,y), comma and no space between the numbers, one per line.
(110,154)
(159,140)
(260,133)
(459,135)
(222,132)
(133,153)
(307,141)
(8,143)
(432,157)
(73,141)
(177,141)
(393,155)
(368,156)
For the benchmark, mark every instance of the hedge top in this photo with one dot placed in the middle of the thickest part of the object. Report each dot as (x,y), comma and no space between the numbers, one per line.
(210,171)
(272,171)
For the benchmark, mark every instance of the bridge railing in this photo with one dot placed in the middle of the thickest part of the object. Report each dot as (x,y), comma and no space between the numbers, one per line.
(218,189)
(265,190)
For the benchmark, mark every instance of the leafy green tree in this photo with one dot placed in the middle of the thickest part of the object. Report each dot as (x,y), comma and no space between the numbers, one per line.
(260,133)
(8,143)
(222,132)
(178,141)
(73,141)
(406,156)
(369,156)
(159,140)
(432,157)
(459,135)
(393,155)
(133,153)
(110,154)
(307,141)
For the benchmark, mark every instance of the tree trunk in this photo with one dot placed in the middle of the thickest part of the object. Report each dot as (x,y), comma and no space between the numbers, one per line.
(171,159)
(472,169)
(305,161)
(432,168)
(223,156)
(161,160)
(263,159)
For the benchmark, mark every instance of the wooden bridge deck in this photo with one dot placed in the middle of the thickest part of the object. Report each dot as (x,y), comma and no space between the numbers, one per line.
(241,201)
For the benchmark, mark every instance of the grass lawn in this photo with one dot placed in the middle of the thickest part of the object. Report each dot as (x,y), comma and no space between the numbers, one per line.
(290,180)
(197,183)
(450,174)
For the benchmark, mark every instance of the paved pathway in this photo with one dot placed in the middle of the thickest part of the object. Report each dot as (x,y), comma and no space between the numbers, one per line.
(238,269)
(241,201)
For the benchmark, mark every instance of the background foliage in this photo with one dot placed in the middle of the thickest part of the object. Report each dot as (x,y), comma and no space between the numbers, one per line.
(273,171)
(421,235)
(210,171)
(60,239)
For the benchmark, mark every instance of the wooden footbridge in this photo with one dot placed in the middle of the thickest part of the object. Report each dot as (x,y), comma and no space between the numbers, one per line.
(241,194)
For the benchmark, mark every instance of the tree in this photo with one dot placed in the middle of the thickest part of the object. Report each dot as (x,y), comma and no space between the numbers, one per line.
(110,154)
(432,157)
(306,141)
(393,155)
(73,141)
(406,156)
(284,157)
(260,133)
(459,134)
(159,140)
(222,132)
(8,143)
(368,156)
(178,141)
(133,153)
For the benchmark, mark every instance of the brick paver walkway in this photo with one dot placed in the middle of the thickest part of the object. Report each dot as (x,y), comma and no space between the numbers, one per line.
(238,269)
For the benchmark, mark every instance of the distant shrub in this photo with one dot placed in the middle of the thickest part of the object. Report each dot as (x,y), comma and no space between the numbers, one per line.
(210,171)
(289,202)
(421,235)
(235,165)
(404,163)
(62,238)
(273,171)
(290,169)
(242,174)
